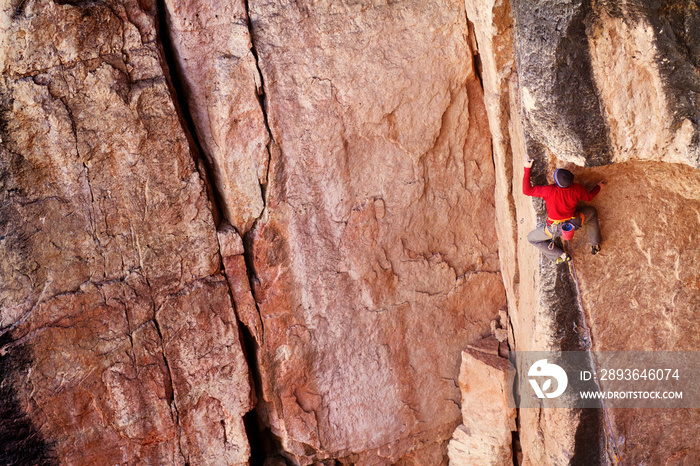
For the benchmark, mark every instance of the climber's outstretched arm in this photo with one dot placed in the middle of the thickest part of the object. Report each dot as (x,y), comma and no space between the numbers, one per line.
(528,189)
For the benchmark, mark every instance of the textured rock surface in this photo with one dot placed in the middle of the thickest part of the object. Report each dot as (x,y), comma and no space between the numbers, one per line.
(362,222)
(375,259)
(600,84)
(213,51)
(118,327)
(232,254)
(604,82)
(493,26)
(650,213)
(561,108)
(486,435)
(645,62)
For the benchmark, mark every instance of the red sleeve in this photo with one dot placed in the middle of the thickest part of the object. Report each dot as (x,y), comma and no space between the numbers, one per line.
(588,195)
(528,189)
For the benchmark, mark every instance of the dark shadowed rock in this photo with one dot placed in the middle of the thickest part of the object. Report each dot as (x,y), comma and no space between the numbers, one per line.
(559,96)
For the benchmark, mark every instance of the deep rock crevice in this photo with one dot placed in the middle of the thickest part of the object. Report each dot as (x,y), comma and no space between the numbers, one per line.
(261,440)
(177,91)
(248,238)
(262,99)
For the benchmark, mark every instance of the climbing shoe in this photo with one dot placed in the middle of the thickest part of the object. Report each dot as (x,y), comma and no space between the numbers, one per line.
(566,258)
(595,249)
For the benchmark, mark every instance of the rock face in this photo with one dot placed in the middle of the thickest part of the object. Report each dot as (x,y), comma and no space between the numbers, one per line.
(647,210)
(561,108)
(486,435)
(119,333)
(645,60)
(604,83)
(212,46)
(601,85)
(375,258)
(354,222)
(493,26)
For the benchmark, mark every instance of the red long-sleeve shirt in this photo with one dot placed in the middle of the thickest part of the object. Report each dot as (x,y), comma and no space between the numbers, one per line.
(561,202)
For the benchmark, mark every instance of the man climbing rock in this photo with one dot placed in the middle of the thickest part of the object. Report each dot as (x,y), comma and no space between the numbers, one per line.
(561,200)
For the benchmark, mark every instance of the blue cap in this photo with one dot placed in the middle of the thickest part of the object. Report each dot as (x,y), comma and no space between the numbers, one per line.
(563,178)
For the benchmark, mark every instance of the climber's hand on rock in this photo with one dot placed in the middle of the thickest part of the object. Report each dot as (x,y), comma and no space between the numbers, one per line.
(529,162)
(602,184)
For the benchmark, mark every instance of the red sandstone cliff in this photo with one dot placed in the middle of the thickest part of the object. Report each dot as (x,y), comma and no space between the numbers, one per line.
(270,228)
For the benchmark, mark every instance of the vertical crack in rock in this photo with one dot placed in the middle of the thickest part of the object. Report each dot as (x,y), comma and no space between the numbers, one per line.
(250,343)
(575,90)
(588,438)
(169,391)
(491,36)
(214,59)
(262,97)
(559,291)
(263,107)
(176,90)
(474,46)
(262,441)
(515,446)
(182,109)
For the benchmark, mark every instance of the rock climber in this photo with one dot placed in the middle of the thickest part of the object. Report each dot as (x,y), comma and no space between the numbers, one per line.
(561,199)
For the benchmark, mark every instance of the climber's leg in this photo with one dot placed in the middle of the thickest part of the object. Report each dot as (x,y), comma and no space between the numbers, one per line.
(591,224)
(539,238)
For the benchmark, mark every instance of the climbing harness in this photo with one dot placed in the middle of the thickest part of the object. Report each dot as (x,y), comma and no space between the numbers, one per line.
(551,221)
(564,228)
(610,434)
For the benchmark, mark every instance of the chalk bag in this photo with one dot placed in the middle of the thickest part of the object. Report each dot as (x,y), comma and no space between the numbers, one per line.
(567,231)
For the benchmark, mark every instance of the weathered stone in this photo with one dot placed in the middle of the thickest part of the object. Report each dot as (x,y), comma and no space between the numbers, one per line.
(501,334)
(237,275)
(209,372)
(112,302)
(646,70)
(649,215)
(561,108)
(374,261)
(486,435)
(632,92)
(589,69)
(493,25)
(213,50)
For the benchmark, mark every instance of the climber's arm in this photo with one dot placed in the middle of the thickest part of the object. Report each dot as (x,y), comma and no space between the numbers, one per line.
(528,189)
(587,195)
